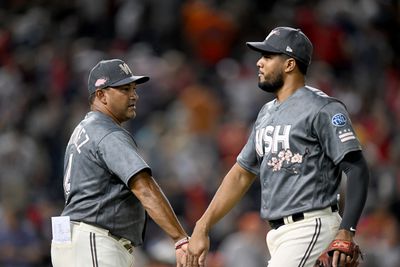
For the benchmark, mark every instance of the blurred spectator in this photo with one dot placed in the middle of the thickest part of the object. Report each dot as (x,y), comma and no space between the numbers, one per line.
(379,236)
(246,246)
(19,243)
(210,32)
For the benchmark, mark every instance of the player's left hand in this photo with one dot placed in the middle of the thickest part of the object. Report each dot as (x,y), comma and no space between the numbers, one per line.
(342,251)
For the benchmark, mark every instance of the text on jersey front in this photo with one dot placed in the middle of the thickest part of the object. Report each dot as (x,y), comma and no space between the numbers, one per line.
(270,139)
(273,142)
(79,138)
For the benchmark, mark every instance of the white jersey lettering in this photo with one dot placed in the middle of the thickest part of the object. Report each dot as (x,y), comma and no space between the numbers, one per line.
(259,142)
(267,139)
(282,139)
(67,176)
(77,136)
(270,139)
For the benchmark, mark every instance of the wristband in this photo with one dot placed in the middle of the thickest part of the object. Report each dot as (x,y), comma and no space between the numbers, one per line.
(181,242)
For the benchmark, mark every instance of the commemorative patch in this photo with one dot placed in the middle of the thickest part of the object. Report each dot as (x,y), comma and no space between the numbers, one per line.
(346,135)
(339,120)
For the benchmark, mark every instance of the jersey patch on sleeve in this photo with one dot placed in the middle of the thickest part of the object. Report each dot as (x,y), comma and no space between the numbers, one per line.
(346,135)
(339,120)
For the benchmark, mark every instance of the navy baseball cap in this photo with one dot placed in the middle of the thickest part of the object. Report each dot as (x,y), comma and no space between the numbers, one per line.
(112,73)
(288,41)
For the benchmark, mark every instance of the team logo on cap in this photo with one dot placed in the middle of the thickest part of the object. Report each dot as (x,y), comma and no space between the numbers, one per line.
(100,82)
(276,32)
(125,68)
(339,120)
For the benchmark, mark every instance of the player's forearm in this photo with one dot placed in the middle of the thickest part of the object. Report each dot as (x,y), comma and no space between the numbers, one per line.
(233,187)
(356,169)
(158,207)
(162,213)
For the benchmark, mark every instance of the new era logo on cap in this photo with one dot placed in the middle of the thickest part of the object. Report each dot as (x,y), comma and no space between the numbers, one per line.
(112,73)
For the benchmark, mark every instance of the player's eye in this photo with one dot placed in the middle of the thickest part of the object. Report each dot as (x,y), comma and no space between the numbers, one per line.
(123,88)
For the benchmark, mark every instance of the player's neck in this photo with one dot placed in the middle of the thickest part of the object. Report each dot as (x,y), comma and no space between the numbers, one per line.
(103,109)
(289,88)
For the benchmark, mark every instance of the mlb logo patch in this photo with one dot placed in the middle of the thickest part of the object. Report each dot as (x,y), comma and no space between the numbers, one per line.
(339,120)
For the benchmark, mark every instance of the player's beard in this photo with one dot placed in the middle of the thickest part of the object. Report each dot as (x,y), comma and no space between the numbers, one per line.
(273,84)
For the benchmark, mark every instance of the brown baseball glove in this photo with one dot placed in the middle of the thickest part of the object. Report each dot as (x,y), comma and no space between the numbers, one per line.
(344,247)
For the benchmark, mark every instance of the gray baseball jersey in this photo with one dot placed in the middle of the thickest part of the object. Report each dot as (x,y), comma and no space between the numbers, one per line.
(294,148)
(100,159)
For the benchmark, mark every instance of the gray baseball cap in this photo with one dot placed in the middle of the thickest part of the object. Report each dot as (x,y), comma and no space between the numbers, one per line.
(286,40)
(112,73)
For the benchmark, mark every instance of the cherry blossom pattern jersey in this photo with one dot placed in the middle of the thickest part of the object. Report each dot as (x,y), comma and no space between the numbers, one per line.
(294,148)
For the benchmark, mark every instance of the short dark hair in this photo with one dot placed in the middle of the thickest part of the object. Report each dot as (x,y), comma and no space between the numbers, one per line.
(303,67)
(91,98)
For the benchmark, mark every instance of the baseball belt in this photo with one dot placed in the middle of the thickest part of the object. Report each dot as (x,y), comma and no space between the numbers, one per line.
(275,224)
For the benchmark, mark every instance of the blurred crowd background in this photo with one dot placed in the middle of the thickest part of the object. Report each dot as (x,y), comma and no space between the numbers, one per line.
(195,113)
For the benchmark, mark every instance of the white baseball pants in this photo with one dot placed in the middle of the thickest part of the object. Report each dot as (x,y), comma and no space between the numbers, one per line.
(91,247)
(299,244)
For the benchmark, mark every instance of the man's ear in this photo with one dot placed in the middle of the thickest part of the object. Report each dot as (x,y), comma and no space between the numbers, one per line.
(100,94)
(290,64)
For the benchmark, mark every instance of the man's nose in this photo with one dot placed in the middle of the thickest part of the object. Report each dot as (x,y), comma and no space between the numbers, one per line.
(133,94)
(258,64)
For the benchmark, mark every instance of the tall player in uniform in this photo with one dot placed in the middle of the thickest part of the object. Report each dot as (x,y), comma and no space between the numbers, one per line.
(108,186)
(299,146)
